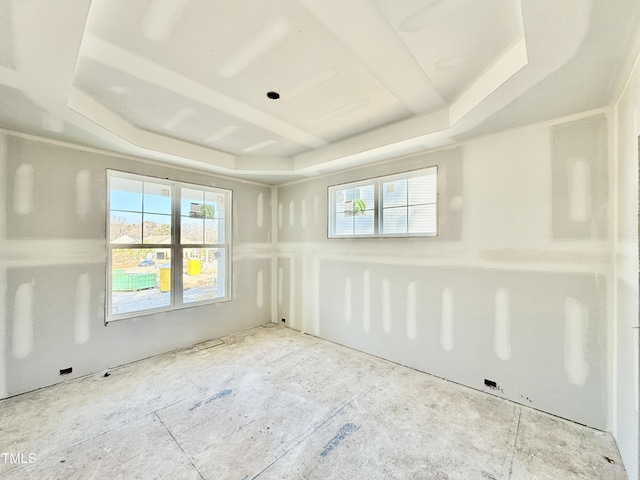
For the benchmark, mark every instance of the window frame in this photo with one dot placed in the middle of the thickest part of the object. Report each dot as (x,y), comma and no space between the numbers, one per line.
(176,247)
(378,210)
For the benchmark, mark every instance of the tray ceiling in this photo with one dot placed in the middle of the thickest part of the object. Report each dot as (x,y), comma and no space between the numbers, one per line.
(190,81)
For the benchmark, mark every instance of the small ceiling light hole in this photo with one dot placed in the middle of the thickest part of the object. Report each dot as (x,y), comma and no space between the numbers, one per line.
(273,95)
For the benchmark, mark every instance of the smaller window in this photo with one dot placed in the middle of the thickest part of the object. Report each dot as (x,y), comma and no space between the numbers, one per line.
(396,205)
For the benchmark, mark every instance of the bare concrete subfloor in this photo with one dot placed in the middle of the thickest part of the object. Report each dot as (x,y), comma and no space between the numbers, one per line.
(271,403)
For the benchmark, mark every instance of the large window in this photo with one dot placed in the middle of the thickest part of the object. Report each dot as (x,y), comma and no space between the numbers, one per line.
(169,245)
(402,205)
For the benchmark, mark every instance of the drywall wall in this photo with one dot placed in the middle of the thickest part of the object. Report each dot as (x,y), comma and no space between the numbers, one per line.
(52,267)
(515,288)
(626,295)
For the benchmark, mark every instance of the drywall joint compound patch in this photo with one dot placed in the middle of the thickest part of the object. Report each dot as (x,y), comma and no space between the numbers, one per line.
(387,320)
(446,321)
(260,210)
(303,213)
(366,301)
(23,320)
(260,289)
(412,322)
(23,189)
(347,299)
(502,328)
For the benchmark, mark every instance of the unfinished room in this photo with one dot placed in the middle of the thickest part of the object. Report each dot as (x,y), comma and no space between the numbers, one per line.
(319,239)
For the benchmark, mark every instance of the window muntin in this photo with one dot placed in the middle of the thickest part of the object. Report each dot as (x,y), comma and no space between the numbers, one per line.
(168,245)
(395,205)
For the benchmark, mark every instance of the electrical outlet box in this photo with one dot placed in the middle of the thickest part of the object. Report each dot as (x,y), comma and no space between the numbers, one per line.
(490,383)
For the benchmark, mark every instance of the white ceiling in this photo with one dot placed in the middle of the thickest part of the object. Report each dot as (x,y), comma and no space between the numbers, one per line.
(186,81)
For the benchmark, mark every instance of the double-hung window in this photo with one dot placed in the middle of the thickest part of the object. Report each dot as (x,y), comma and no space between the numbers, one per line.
(169,245)
(401,205)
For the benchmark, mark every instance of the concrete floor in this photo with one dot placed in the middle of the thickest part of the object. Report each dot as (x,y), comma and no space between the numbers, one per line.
(275,404)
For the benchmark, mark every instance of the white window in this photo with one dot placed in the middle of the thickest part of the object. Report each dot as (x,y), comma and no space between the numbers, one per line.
(169,245)
(396,205)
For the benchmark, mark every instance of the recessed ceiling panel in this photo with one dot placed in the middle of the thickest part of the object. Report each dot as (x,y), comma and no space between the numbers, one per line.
(174,115)
(455,41)
(241,50)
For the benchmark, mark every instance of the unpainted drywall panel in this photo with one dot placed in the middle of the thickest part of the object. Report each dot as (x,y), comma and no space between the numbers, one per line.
(581,178)
(626,428)
(297,293)
(51,328)
(41,171)
(308,204)
(299,296)
(53,194)
(286,293)
(507,191)
(3,270)
(627,168)
(497,295)
(7,43)
(540,337)
(252,215)
(53,274)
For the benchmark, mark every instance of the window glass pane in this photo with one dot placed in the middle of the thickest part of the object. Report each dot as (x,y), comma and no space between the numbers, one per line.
(394,194)
(344,224)
(214,231)
(157,198)
(394,220)
(355,201)
(191,203)
(214,205)
(422,219)
(191,230)
(354,210)
(364,223)
(139,279)
(125,227)
(366,196)
(125,194)
(341,197)
(203,274)
(156,228)
(422,190)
